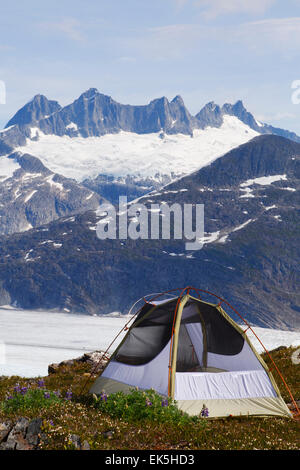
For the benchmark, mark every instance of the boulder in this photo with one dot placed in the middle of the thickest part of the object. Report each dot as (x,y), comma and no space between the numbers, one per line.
(96,359)
(5,429)
(23,435)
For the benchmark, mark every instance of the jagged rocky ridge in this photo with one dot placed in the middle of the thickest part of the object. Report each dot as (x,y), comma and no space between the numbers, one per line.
(96,114)
(213,115)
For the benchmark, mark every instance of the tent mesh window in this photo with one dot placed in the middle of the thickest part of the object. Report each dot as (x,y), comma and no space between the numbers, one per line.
(151,332)
(148,336)
(204,330)
(222,338)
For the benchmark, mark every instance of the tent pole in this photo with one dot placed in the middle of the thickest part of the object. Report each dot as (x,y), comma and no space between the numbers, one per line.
(171,364)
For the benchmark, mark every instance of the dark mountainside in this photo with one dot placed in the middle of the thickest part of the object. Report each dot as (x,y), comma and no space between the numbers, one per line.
(252,259)
(35,195)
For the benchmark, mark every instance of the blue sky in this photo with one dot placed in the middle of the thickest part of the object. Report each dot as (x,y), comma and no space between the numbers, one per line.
(135,51)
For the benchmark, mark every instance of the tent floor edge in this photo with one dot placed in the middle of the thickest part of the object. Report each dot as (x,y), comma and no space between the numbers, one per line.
(217,408)
(224,408)
(109,386)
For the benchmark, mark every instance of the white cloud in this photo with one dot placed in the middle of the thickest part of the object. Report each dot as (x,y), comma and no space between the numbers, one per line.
(175,41)
(127,59)
(280,116)
(180,3)
(69,27)
(284,27)
(214,8)
(172,41)
(4,47)
(273,33)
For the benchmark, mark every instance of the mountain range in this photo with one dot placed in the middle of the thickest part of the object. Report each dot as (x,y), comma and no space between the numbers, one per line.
(114,149)
(58,163)
(96,114)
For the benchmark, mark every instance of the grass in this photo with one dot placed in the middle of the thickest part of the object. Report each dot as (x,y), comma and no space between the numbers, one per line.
(130,423)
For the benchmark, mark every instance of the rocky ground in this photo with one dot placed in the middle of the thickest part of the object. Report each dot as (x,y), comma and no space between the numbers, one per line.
(21,435)
(25,434)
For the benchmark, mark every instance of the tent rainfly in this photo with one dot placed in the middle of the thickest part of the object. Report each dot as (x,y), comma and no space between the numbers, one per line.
(193,352)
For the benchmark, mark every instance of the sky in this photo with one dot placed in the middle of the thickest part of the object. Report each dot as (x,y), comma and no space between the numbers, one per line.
(135,51)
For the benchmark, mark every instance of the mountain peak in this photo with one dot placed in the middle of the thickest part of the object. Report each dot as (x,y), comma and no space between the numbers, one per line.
(90,92)
(37,98)
(162,100)
(178,99)
(210,115)
(237,109)
(239,105)
(37,108)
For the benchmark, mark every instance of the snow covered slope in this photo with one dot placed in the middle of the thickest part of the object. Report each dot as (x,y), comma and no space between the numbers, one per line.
(140,155)
(7,168)
(48,337)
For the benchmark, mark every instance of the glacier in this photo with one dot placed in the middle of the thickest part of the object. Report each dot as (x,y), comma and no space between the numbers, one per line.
(31,340)
(140,155)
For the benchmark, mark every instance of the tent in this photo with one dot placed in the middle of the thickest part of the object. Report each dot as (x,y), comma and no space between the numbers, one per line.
(192,351)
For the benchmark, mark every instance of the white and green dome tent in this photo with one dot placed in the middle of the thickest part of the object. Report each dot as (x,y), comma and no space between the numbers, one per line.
(192,351)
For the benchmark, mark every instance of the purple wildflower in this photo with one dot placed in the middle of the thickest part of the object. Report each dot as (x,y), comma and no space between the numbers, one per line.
(103,397)
(10,397)
(23,390)
(41,383)
(148,402)
(47,395)
(51,422)
(165,403)
(69,395)
(17,388)
(57,393)
(204,412)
